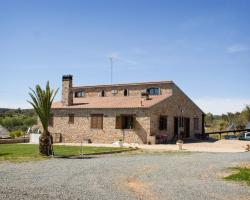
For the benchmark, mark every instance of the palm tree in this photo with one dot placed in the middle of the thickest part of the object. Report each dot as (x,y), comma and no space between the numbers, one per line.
(41,102)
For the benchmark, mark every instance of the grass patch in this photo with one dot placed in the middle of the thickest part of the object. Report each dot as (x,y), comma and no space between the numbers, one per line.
(242,174)
(30,152)
(76,150)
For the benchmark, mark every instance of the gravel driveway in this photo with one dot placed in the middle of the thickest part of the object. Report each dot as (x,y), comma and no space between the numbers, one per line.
(125,176)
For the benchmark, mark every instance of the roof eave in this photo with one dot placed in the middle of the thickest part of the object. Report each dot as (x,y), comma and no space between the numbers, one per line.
(73,108)
(122,84)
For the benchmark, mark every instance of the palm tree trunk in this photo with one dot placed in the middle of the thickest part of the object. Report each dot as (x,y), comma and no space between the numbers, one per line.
(45,144)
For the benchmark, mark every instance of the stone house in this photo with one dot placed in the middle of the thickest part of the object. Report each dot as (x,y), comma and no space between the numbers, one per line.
(145,113)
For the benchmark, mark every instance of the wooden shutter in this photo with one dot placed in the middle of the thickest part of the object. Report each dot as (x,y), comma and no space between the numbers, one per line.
(97,121)
(118,122)
(93,121)
(100,121)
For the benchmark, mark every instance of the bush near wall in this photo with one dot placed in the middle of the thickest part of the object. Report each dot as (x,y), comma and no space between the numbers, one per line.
(16,134)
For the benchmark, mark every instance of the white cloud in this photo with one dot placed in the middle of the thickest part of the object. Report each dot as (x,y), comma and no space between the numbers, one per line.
(221,105)
(237,48)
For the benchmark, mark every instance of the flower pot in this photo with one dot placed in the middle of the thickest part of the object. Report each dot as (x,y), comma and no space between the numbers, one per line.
(121,143)
(179,143)
(180,146)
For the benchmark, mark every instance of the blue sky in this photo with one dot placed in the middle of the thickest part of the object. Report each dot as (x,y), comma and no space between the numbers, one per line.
(203,46)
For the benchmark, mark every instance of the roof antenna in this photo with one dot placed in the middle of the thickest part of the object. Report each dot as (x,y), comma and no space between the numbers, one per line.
(111,69)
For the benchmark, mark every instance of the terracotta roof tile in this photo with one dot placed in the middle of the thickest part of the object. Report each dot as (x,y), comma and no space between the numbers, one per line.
(112,102)
(123,84)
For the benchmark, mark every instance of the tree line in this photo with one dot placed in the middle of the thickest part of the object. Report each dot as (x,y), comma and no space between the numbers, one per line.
(222,122)
(17,119)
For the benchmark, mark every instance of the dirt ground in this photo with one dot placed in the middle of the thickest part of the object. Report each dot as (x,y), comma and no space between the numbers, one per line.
(229,146)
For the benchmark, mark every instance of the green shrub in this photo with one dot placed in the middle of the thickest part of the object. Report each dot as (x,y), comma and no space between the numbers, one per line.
(17,133)
(12,135)
(242,174)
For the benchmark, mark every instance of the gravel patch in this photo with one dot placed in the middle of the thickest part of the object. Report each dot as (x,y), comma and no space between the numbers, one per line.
(125,176)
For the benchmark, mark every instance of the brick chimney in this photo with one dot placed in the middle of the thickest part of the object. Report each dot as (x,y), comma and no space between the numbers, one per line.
(67,93)
(145,95)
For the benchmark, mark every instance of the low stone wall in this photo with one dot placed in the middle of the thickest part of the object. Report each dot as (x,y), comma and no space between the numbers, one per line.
(13,141)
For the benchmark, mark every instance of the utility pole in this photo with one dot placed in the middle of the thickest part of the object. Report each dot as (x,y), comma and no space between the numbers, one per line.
(111,69)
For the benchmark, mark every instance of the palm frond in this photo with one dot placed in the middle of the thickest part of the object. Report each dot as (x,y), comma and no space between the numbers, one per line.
(41,101)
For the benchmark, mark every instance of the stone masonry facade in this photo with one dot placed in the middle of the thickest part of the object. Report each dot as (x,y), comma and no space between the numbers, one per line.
(171,102)
(81,129)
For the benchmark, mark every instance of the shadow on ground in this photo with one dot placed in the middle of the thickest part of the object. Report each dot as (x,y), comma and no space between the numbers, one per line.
(210,140)
(75,157)
(4,154)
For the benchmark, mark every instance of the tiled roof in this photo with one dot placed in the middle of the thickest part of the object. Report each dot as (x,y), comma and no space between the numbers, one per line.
(124,84)
(113,102)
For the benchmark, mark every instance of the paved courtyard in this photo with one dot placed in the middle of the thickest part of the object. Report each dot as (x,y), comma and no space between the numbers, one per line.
(126,176)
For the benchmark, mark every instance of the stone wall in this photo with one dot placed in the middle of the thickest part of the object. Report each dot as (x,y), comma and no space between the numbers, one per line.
(172,108)
(15,140)
(81,129)
(67,92)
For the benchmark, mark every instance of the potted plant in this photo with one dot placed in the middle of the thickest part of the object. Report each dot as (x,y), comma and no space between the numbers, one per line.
(179,143)
(247,147)
(121,142)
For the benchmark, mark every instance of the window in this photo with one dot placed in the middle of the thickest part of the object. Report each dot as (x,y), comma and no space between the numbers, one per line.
(97,121)
(196,123)
(71,119)
(79,94)
(51,120)
(125,92)
(153,91)
(103,93)
(163,123)
(125,122)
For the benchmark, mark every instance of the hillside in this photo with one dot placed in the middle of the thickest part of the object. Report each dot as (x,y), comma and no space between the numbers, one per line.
(17,119)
